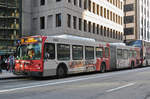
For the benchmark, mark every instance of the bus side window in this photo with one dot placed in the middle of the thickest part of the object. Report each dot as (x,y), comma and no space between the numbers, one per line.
(119,54)
(63,52)
(89,52)
(125,54)
(49,51)
(106,52)
(99,52)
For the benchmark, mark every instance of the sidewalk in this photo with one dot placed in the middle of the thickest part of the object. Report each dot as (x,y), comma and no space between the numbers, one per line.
(8,75)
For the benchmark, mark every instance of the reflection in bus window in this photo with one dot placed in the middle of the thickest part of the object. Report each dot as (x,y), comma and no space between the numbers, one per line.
(99,52)
(89,53)
(63,52)
(119,53)
(49,50)
(77,52)
(125,54)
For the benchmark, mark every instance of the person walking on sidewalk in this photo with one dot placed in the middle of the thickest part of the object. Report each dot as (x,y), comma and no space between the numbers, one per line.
(0,64)
(11,63)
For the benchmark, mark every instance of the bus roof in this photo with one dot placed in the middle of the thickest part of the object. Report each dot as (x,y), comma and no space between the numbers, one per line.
(71,37)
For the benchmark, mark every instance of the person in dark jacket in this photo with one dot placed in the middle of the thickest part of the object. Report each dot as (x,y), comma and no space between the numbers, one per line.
(11,63)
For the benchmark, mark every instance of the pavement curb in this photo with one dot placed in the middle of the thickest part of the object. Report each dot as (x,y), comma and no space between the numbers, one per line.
(16,77)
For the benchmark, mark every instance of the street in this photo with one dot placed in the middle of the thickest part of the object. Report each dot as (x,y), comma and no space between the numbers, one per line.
(124,84)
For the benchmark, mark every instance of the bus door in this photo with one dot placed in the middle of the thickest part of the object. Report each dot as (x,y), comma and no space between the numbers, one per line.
(49,59)
(107,57)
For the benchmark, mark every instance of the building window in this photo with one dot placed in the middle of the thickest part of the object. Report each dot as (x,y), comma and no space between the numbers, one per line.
(128,19)
(93,7)
(111,34)
(111,17)
(85,4)
(97,28)
(42,2)
(105,31)
(101,30)
(80,24)
(128,7)
(69,20)
(114,34)
(89,5)
(69,1)
(94,28)
(101,11)
(97,9)
(89,27)
(75,2)
(114,17)
(104,12)
(108,32)
(58,20)
(85,25)
(129,31)
(108,14)
(74,22)
(42,22)
(80,3)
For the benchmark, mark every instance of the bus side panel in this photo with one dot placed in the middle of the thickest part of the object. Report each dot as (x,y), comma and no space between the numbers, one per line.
(113,57)
(49,68)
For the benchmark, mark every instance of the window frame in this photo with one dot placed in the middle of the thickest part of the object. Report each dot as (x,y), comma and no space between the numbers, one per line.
(87,57)
(99,51)
(54,51)
(73,52)
(59,51)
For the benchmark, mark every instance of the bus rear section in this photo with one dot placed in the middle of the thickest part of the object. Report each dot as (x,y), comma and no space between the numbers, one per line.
(122,56)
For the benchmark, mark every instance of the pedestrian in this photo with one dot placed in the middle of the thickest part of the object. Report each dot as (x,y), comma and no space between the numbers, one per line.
(11,63)
(0,64)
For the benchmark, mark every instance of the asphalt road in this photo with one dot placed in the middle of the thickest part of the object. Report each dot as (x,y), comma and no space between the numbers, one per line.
(126,84)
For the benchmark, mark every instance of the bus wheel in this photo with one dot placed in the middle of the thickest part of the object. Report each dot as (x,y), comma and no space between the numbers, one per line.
(61,72)
(103,68)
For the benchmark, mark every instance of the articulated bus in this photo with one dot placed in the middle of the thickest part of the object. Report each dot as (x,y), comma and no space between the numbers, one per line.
(60,55)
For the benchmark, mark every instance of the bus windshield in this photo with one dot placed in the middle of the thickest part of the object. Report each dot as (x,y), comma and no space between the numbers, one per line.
(29,51)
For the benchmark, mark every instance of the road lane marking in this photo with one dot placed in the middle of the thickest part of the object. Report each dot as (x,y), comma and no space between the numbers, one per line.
(121,87)
(50,83)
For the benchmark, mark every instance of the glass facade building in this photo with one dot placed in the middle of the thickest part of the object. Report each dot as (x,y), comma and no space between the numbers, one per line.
(10,24)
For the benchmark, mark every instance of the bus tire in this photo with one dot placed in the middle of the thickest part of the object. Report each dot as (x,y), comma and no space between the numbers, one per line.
(132,65)
(103,68)
(61,71)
